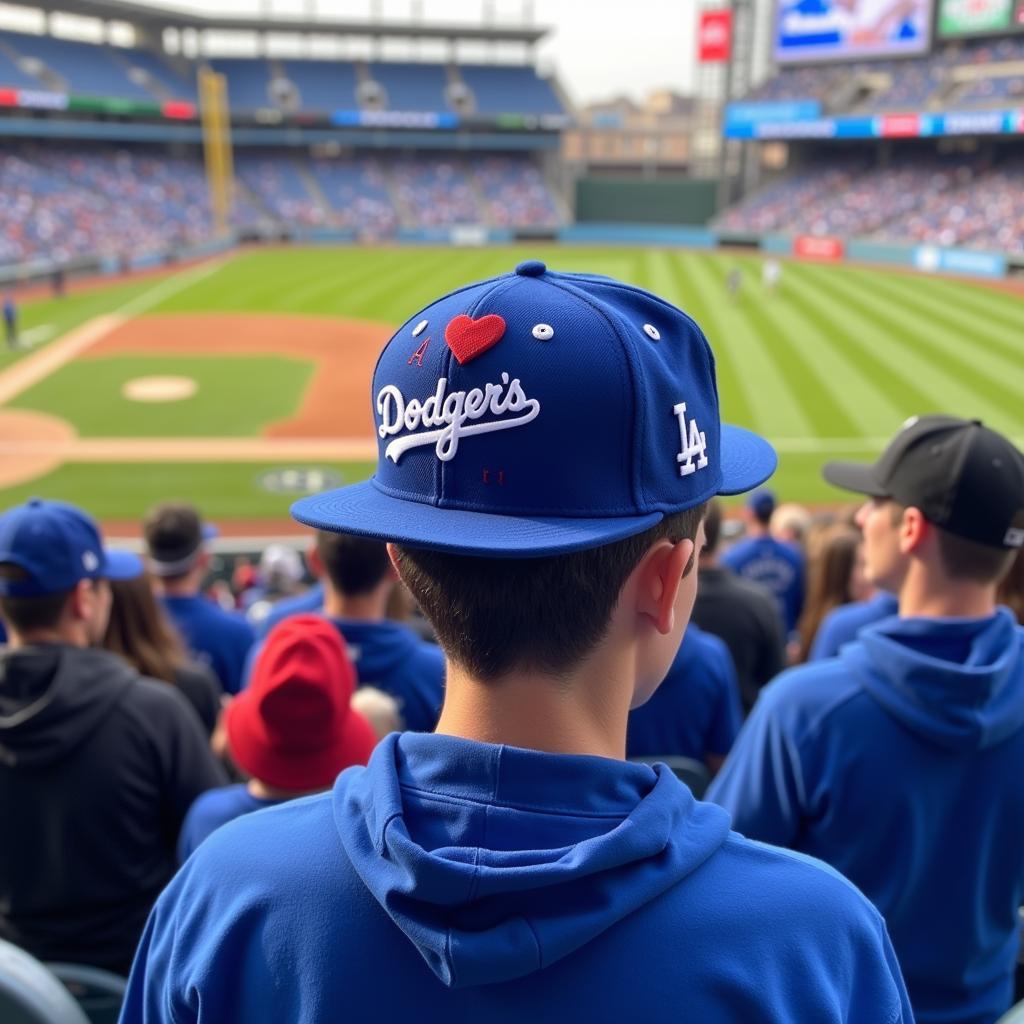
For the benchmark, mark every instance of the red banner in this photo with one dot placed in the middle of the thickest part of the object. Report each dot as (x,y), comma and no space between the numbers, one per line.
(714,36)
(901,126)
(815,247)
(178,110)
(8,97)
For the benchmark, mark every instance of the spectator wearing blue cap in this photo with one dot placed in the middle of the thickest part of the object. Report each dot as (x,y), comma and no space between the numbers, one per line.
(98,766)
(176,544)
(547,445)
(773,564)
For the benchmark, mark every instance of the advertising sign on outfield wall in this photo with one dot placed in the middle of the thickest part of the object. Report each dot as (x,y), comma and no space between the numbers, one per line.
(823,248)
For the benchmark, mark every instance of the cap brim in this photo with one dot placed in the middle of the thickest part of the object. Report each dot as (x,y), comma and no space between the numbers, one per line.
(747,460)
(858,477)
(121,565)
(368,511)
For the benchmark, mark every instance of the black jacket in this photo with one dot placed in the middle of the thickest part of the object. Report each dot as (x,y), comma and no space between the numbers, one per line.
(747,618)
(97,769)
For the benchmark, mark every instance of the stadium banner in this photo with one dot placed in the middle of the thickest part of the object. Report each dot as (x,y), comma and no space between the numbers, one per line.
(748,113)
(819,30)
(979,17)
(933,259)
(821,248)
(714,36)
(888,126)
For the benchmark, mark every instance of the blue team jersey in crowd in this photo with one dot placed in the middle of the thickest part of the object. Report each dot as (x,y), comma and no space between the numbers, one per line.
(899,763)
(451,880)
(696,711)
(777,567)
(212,809)
(218,638)
(842,624)
(391,657)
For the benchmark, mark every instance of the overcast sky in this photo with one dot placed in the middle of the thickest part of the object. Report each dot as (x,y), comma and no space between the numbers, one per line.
(600,48)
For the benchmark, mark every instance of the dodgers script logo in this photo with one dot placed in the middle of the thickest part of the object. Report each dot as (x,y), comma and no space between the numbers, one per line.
(446,416)
(453,414)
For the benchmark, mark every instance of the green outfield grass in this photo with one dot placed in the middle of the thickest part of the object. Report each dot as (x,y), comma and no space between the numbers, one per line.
(222,491)
(234,398)
(830,365)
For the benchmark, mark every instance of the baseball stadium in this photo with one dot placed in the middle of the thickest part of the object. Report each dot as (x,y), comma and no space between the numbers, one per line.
(698,697)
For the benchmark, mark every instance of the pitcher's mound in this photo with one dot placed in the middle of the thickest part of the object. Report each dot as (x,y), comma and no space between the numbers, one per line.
(31,445)
(159,389)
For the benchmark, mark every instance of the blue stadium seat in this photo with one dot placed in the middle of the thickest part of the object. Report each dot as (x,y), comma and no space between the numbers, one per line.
(180,87)
(686,769)
(30,994)
(11,76)
(99,994)
(88,69)
(509,89)
(248,82)
(324,85)
(418,87)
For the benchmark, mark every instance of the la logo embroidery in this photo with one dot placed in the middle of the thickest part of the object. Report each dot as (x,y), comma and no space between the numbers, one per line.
(692,443)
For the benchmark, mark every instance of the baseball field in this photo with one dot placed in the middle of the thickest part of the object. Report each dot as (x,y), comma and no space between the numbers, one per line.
(243,382)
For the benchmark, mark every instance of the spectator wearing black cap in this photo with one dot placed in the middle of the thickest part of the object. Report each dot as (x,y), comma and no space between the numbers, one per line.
(98,765)
(898,761)
(743,614)
(176,542)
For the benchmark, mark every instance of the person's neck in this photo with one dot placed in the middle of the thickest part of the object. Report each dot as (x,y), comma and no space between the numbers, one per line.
(755,530)
(585,713)
(370,607)
(923,596)
(261,791)
(187,587)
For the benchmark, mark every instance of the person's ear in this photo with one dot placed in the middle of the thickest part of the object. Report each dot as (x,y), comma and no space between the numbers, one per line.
(658,577)
(80,603)
(315,562)
(393,556)
(914,530)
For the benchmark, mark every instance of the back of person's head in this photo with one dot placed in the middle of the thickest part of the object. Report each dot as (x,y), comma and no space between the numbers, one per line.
(545,438)
(175,536)
(293,727)
(761,506)
(712,527)
(834,578)
(140,631)
(790,522)
(356,566)
(380,709)
(953,491)
(280,568)
(54,572)
(1011,588)
(494,615)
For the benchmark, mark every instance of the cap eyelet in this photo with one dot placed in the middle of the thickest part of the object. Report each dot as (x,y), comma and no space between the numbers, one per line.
(543,332)
(419,328)
(652,332)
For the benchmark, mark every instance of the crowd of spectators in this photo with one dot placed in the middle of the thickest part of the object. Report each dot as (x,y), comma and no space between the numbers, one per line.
(59,203)
(851,688)
(914,198)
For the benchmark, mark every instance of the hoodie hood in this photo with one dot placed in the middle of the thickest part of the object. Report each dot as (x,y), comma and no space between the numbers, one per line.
(957,682)
(54,696)
(496,861)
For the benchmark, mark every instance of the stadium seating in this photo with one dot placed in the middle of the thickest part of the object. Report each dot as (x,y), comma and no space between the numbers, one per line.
(412,86)
(99,993)
(357,194)
(275,180)
(515,193)
(435,192)
(248,82)
(509,89)
(322,84)
(31,994)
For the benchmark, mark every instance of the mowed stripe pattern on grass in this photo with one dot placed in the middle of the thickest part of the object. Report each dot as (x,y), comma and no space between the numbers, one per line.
(830,365)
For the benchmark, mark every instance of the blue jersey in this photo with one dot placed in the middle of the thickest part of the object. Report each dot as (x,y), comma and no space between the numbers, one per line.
(218,638)
(777,567)
(212,809)
(842,624)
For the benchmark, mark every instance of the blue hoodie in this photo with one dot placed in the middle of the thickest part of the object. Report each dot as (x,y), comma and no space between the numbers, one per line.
(215,637)
(777,567)
(899,763)
(842,624)
(391,657)
(311,600)
(696,710)
(453,881)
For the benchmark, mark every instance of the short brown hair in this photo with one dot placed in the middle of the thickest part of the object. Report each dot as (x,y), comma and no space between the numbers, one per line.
(964,559)
(493,615)
(354,565)
(27,614)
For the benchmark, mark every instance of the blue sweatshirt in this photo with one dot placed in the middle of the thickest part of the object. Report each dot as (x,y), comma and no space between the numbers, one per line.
(696,710)
(212,809)
(453,881)
(218,638)
(842,624)
(899,763)
(311,600)
(777,567)
(391,657)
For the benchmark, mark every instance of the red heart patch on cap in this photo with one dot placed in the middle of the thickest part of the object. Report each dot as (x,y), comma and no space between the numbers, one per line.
(469,338)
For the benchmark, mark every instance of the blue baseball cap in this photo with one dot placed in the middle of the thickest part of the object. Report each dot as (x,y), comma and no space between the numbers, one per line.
(762,502)
(539,413)
(56,545)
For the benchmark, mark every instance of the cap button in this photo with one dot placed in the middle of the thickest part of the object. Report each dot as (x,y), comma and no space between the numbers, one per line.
(531,268)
